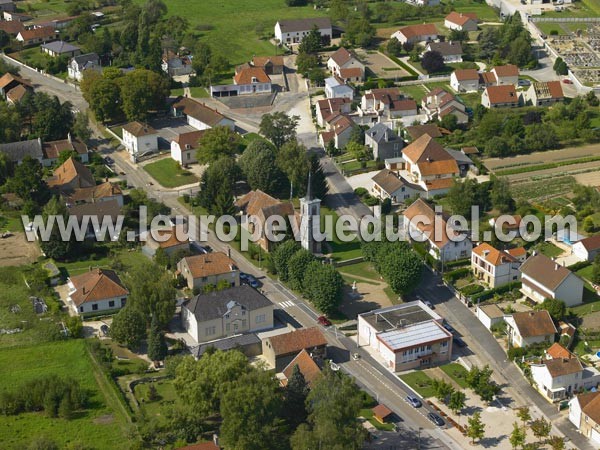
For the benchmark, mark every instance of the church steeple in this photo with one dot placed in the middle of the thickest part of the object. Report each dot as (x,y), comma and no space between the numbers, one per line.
(308,188)
(310,212)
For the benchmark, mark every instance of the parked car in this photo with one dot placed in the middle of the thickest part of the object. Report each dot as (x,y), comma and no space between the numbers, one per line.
(355,356)
(448,327)
(322,320)
(567,81)
(413,401)
(429,304)
(253,282)
(108,161)
(436,419)
(458,341)
(524,83)
(243,277)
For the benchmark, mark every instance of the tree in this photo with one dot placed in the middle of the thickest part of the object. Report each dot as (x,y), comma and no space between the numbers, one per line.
(480,380)
(524,415)
(433,62)
(217,142)
(75,326)
(143,91)
(81,127)
(457,401)
(157,346)
(500,195)
(323,286)
(218,179)
(297,268)
(358,151)
(279,128)
(224,204)
(458,36)
(475,427)
(592,99)
(312,42)
(402,269)
(555,307)
(596,270)
(294,403)
(292,159)
(55,247)
(556,443)
(449,122)
(517,437)
(250,410)
(540,137)
(443,390)
(104,98)
(28,179)
(306,62)
(281,257)
(541,428)
(296,2)
(129,327)
(319,184)
(560,67)
(4,39)
(258,163)
(52,120)
(333,407)
(394,47)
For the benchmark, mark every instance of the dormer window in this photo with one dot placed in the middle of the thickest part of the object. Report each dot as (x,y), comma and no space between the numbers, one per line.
(254,80)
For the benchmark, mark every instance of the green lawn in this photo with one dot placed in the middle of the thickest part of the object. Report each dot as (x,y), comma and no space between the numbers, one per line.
(367,413)
(340,250)
(130,259)
(548,27)
(168,173)
(101,426)
(362,269)
(419,382)
(166,397)
(549,249)
(199,92)
(584,8)
(456,372)
(10,221)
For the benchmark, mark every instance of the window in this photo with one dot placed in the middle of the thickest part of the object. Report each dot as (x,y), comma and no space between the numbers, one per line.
(243,323)
(95,307)
(123,300)
(235,327)
(227,316)
(209,331)
(81,309)
(243,312)
(111,304)
(261,318)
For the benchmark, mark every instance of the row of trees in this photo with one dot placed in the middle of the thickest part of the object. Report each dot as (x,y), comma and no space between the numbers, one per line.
(320,283)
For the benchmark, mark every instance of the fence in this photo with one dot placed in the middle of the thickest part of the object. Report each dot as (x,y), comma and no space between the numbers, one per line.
(565,19)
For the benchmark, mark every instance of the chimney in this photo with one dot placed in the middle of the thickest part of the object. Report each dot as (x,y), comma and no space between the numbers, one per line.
(229,252)
(556,266)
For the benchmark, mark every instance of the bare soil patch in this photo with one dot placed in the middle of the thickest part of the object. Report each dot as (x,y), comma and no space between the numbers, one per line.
(16,250)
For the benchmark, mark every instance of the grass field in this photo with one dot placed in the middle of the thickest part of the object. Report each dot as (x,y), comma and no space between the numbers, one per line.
(340,250)
(130,259)
(99,427)
(549,249)
(362,269)
(169,173)
(419,382)
(456,372)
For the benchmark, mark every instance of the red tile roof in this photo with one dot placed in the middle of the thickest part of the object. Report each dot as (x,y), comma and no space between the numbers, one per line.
(139,129)
(534,323)
(209,264)
(460,18)
(502,94)
(189,139)
(341,56)
(262,61)
(96,285)
(424,29)
(558,351)
(307,366)
(466,74)
(295,341)
(492,255)
(38,33)
(249,75)
(508,70)
(351,72)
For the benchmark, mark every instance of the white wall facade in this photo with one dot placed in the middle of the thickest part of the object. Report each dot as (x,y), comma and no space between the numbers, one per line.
(137,145)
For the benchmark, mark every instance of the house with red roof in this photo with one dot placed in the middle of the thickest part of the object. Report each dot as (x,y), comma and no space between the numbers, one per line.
(185,146)
(346,65)
(544,93)
(413,34)
(461,21)
(586,249)
(386,104)
(96,290)
(504,96)
(494,267)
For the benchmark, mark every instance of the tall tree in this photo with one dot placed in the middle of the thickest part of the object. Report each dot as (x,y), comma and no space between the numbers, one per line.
(541,428)
(457,401)
(475,427)
(323,286)
(517,437)
(292,159)
(129,327)
(319,185)
(258,163)
(218,179)
(281,257)
(297,268)
(28,179)
(433,62)
(279,128)
(312,42)
(157,346)
(295,394)
(56,247)
(217,142)
(143,91)
(81,127)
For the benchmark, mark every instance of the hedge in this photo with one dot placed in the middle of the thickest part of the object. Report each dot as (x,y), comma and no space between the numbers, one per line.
(454,275)
(403,65)
(579,265)
(499,290)
(458,263)
(472,289)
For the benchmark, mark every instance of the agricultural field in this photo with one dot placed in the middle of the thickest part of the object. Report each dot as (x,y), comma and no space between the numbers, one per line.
(542,188)
(101,426)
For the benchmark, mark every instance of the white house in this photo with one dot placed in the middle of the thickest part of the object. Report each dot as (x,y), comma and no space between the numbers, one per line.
(544,93)
(507,74)
(530,327)
(461,21)
(292,31)
(416,33)
(96,291)
(587,249)
(489,315)
(445,241)
(584,413)
(339,131)
(200,116)
(406,336)
(383,142)
(185,146)
(465,80)
(450,51)
(439,103)
(504,96)
(79,64)
(335,88)
(544,278)
(388,184)
(225,313)
(386,103)
(341,61)
(494,267)
(252,80)
(139,138)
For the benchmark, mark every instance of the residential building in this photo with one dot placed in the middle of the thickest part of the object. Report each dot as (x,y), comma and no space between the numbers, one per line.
(7,5)
(494,267)
(544,278)
(451,51)
(172,240)
(98,290)
(17,151)
(544,93)
(261,206)
(200,116)
(175,65)
(225,313)
(12,28)
(439,103)
(414,132)
(9,82)
(60,48)
(465,80)
(416,33)
(208,269)
(71,175)
(185,146)
(530,327)
(429,165)
(383,142)
(252,80)
(272,65)
(464,163)
(584,413)
(406,336)
(139,139)
(281,349)
(461,21)
(102,210)
(388,184)
(504,96)
(307,366)
(103,192)
(346,65)
(81,63)
(557,351)
(292,31)
(339,131)
(53,149)
(386,104)
(37,36)
(588,248)
(330,107)
(489,315)
(444,241)
(507,74)
(16,94)
(336,88)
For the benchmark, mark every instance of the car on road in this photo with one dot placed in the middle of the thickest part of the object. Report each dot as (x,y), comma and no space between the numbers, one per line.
(253,282)
(355,356)
(524,83)
(567,81)
(448,327)
(413,401)
(108,161)
(458,341)
(243,277)
(436,419)
(322,320)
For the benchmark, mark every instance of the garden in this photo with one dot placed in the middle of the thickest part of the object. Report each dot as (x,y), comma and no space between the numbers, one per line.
(168,173)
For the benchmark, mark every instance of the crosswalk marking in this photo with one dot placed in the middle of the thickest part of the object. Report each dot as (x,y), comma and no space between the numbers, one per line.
(287,304)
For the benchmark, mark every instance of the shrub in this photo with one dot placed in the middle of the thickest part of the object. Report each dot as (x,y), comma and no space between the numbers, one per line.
(454,275)
(472,289)
(485,295)
(361,191)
